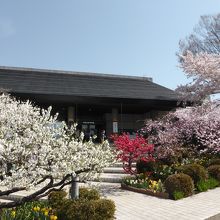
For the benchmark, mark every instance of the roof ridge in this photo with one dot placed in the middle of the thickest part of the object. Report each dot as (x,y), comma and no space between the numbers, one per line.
(28,69)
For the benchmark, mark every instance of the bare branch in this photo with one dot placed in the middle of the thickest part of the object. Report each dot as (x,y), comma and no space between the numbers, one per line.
(53,189)
(38,194)
(13,190)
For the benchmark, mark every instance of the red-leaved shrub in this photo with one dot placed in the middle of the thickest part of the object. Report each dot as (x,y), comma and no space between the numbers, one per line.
(132,149)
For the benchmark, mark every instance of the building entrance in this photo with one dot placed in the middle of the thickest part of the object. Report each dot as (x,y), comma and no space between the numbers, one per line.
(92,129)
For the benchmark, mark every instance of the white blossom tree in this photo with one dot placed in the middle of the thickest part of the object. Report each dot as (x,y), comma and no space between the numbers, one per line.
(199,57)
(204,69)
(34,152)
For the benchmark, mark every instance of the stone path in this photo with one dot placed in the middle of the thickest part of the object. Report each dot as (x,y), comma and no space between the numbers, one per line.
(135,206)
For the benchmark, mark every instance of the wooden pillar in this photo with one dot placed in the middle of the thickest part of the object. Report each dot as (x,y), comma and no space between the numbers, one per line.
(71,115)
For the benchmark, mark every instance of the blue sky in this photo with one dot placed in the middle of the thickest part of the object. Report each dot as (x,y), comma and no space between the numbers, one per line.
(107,36)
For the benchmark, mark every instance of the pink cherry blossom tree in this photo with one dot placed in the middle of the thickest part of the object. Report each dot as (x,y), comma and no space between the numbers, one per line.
(204,70)
(199,57)
(191,131)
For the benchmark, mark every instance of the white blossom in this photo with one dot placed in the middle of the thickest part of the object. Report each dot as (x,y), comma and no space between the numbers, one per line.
(204,69)
(32,147)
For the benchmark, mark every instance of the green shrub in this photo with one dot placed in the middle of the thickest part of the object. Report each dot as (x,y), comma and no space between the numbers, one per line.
(88,194)
(105,209)
(89,206)
(76,209)
(213,183)
(56,198)
(101,209)
(179,183)
(58,201)
(204,185)
(178,195)
(215,161)
(214,171)
(144,166)
(195,171)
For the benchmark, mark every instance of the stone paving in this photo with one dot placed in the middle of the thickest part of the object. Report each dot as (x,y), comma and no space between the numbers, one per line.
(136,206)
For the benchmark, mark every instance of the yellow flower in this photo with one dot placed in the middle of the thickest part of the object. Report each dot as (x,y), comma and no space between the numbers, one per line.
(36,208)
(46,209)
(153,183)
(46,213)
(13,213)
(53,217)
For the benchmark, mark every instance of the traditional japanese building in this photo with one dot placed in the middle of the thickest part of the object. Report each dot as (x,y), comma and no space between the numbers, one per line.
(97,102)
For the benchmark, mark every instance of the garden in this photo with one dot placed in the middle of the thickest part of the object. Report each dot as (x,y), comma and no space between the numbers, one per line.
(183,158)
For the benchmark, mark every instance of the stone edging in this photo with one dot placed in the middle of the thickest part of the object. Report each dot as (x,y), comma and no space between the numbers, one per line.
(145,191)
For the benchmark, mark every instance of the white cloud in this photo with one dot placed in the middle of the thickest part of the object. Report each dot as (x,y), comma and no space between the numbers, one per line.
(6,28)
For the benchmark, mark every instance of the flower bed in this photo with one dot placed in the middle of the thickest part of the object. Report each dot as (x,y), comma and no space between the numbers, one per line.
(185,181)
(32,210)
(90,206)
(145,191)
(175,176)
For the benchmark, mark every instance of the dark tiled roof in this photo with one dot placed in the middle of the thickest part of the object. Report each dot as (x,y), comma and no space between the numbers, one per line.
(39,81)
